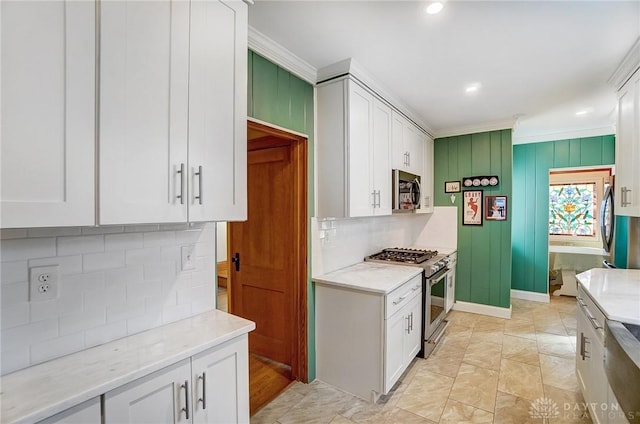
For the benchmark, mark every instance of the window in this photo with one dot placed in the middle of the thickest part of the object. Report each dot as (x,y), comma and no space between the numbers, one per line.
(572,209)
(574,204)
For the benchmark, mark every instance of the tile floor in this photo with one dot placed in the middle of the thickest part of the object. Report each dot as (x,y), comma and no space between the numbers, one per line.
(485,370)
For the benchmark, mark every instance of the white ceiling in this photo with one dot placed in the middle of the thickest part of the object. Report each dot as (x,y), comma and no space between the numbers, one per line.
(537,61)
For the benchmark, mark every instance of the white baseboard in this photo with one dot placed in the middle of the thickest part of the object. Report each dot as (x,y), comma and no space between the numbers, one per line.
(477,308)
(527,295)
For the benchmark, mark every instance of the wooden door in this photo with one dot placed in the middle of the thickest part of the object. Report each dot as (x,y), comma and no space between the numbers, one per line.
(48,113)
(262,288)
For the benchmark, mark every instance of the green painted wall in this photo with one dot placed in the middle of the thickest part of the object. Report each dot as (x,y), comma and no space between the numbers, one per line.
(280,98)
(530,206)
(484,252)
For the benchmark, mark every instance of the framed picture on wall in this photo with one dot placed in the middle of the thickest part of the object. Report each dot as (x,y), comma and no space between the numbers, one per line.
(495,208)
(472,207)
(452,186)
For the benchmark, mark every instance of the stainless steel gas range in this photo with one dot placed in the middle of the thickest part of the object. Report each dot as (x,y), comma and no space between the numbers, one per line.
(437,269)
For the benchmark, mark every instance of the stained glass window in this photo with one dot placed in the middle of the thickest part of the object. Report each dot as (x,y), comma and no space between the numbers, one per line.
(571,209)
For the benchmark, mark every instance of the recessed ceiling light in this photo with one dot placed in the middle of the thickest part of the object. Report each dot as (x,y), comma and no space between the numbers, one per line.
(472,88)
(434,8)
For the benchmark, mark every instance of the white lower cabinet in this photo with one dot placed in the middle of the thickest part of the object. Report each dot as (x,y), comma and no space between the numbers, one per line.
(211,387)
(88,412)
(365,340)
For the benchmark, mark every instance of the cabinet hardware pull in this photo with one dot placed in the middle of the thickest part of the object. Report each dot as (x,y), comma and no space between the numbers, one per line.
(203,399)
(181,195)
(414,288)
(236,261)
(185,386)
(373,193)
(400,299)
(408,325)
(199,174)
(624,201)
(582,346)
(408,158)
(378,198)
(411,321)
(581,302)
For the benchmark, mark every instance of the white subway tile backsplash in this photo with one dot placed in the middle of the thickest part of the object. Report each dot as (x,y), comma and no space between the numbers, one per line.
(14,359)
(15,314)
(13,272)
(159,238)
(143,256)
(85,320)
(21,249)
(53,232)
(123,241)
(114,281)
(80,245)
(55,348)
(15,293)
(102,261)
(67,264)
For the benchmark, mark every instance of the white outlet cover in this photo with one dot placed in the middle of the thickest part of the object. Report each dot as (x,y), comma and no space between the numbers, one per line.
(188,258)
(43,283)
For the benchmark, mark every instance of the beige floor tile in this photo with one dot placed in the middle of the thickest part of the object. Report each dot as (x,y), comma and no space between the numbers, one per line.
(442,364)
(520,328)
(491,334)
(449,351)
(459,413)
(454,328)
(559,372)
(522,315)
(555,345)
(462,318)
(366,413)
(475,386)
(550,326)
(339,419)
(280,405)
(483,354)
(570,405)
(401,416)
(521,350)
(512,409)
(520,379)
(458,340)
(426,395)
(320,406)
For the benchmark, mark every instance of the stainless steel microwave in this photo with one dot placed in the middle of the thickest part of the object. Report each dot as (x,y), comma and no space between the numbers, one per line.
(406,191)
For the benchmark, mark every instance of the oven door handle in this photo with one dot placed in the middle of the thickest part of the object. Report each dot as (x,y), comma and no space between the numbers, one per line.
(437,276)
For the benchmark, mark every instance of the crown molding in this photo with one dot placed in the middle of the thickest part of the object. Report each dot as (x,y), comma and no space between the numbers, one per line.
(264,46)
(474,129)
(563,135)
(627,67)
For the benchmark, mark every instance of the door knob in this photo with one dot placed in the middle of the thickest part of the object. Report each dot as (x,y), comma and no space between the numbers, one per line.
(236,261)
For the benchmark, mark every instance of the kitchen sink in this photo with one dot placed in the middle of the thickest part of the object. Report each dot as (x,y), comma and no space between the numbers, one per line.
(622,365)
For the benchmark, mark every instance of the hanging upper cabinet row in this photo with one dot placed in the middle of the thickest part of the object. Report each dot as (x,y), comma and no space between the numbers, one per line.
(360,139)
(145,112)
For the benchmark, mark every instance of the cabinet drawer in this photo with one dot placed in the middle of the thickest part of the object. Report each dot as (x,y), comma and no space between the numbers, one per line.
(595,317)
(401,296)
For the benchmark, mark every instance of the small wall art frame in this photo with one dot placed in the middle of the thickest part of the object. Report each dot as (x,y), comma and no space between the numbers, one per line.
(472,207)
(495,208)
(452,186)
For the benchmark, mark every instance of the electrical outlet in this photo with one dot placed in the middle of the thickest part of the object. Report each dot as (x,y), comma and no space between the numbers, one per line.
(188,257)
(43,283)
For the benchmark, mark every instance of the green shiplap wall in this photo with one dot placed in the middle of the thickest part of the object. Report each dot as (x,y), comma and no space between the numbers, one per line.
(530,210)
(278,97)
(484,252)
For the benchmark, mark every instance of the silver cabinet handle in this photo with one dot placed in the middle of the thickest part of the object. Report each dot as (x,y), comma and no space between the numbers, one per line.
(185,386)
(373,193)
(378,198)
(203,399)
(408,158)
(624,192)
(414,288)
(199,174)
(582,342)
(400,299)
(181,195)
(408,325)
(411,321)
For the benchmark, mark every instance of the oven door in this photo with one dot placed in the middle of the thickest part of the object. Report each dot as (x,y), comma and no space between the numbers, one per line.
(435,294)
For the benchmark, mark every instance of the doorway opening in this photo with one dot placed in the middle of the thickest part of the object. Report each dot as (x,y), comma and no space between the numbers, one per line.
(265,261)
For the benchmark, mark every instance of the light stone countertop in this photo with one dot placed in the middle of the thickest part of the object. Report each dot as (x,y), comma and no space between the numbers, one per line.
(615,291)
(42,390)
(370,276)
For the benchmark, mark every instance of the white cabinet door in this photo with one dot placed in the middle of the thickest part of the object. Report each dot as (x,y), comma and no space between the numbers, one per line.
(48,113)
(360,109)
(426,203)
(396,327)
(144,65)
(398,151)
(414,145)
(381,167)
(217,111)
(413,336)
(628,149)
(161,397)
(87,412)
(221,384)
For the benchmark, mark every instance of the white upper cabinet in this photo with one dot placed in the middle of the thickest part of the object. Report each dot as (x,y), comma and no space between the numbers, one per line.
(407,145)
(172,111)
(628,149)
(48,113)
(354,130)
(426,203)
